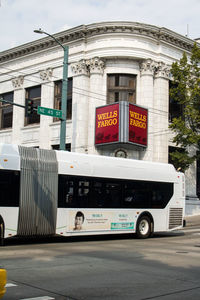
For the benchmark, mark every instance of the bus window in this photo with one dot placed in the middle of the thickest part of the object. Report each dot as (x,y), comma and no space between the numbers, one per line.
(132,196)
(97,198)
(143,194)
(69,197)
(9,188)
(131,199)
(66,192)
(113,191)
(83,193)
(161,194)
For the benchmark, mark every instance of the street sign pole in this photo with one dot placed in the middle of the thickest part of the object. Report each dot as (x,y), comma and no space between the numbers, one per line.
(16,104)
(12,103)
(64,100)
(64,89)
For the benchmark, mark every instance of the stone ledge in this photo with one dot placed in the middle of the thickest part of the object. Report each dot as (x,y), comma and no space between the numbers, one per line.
(160,34)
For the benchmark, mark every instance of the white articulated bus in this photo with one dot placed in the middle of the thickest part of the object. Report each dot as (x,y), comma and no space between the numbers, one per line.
(47,192)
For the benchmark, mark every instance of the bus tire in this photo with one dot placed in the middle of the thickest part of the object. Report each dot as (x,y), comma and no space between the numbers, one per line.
(143,228)
(1,232)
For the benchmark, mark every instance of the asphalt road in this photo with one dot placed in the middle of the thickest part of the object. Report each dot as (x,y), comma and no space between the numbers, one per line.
(164,267)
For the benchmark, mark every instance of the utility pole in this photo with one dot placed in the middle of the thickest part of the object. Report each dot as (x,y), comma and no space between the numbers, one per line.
(64,90)
(64,100)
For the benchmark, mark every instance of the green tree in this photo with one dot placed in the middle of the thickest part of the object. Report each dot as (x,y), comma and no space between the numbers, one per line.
(186,91)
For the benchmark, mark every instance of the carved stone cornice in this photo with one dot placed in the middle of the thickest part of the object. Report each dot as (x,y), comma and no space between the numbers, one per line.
(147,67)
(159,34)
(46,75)
(96,65)
(89,66)
(155,68)
(80,68)
(162,70)
(18,82)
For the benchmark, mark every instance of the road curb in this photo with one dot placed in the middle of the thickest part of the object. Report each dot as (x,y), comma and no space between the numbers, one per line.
(192,220)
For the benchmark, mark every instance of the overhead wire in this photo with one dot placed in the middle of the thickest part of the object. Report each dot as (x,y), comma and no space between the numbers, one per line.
(79,91)
(84,90)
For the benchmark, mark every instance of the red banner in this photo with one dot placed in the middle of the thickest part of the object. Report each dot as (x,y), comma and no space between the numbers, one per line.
(138,121)
(107,124)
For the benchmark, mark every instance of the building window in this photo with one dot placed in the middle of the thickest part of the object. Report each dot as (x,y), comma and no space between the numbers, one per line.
(57,147)
(58,96)
(121,87)
(6,111)
(175,108)
(34,94)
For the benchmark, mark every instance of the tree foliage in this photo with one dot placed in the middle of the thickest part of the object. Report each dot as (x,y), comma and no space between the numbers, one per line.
(186,91)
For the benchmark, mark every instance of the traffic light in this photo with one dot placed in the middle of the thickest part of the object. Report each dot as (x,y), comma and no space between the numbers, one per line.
(29,109)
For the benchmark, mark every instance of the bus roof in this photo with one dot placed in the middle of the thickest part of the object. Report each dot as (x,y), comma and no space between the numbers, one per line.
(78,164)
(112,167)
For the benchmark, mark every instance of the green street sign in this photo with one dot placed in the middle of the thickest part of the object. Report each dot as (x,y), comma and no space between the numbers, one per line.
(49,112)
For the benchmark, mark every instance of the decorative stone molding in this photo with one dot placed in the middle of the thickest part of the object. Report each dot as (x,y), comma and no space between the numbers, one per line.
(156,69)
(80,68)
(87,67)
(96,65)
(162,70)
(18,81)
(159,34)
(147,67)
(46,75)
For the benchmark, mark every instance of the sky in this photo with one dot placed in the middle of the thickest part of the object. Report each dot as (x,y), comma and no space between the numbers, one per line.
(18,18)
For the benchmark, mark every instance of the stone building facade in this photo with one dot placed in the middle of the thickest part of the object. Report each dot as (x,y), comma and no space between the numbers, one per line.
(108,62)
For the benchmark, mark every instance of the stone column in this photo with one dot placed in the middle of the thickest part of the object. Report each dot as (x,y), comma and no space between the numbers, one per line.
(147,91)
(161,112)
(18,112)
(97,98)
(47,100)
(80,108)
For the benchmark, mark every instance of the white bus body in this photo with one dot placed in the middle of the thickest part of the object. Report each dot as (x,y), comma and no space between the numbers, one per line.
(112,195)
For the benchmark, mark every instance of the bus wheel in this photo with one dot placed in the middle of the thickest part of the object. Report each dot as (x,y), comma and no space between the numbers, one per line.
(1,234)
(143,229)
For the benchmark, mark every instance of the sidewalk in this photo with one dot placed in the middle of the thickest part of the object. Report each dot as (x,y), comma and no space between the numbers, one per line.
(192,220)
